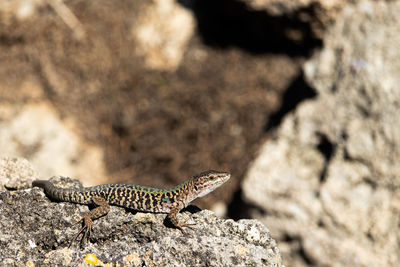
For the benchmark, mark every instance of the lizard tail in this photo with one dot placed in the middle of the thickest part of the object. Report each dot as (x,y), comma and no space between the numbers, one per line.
(61,194)
(46,185)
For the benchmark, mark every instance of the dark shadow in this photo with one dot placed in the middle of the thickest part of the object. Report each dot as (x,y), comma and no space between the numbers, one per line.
(297,92)
(192,209)
(229,23)
(300,251)
(120,130)
(307,259)
(6,40)
(239,209)
(326,148)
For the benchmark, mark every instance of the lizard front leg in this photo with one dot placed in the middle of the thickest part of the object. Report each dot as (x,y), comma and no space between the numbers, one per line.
(172,217)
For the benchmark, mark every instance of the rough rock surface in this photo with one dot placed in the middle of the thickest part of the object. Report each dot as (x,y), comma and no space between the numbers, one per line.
(16,173)
(35,231)
(328,185)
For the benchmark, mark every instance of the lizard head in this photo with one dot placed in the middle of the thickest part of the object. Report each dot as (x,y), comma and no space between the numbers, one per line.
(208,181)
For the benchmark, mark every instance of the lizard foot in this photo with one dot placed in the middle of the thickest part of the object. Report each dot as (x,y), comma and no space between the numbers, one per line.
(86,229)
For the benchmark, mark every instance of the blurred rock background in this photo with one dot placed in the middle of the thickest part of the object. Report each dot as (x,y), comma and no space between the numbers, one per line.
(299,100)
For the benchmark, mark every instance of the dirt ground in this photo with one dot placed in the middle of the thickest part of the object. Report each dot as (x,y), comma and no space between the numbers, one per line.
(159,127)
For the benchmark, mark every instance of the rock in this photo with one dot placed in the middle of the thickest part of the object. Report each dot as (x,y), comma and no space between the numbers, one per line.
(37,231)
(16,173)
(328,185)
(162,32)
(52,145)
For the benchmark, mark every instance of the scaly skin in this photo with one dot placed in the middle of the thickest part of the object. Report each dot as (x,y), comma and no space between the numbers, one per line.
(136,197)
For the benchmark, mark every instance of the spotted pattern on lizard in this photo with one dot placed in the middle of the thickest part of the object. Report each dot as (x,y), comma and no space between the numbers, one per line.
(137,197)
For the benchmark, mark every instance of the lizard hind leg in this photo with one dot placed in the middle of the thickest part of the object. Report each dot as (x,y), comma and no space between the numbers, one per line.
(102,209)
(86,229)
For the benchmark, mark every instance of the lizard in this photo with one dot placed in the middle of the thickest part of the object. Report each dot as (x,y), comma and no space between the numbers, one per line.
(136,197)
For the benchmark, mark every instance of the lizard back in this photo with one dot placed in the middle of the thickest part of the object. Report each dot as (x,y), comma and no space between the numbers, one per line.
(131,196)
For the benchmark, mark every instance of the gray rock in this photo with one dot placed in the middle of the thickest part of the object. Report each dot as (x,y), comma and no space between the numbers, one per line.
(328,185)
(16,173)
(37,231)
